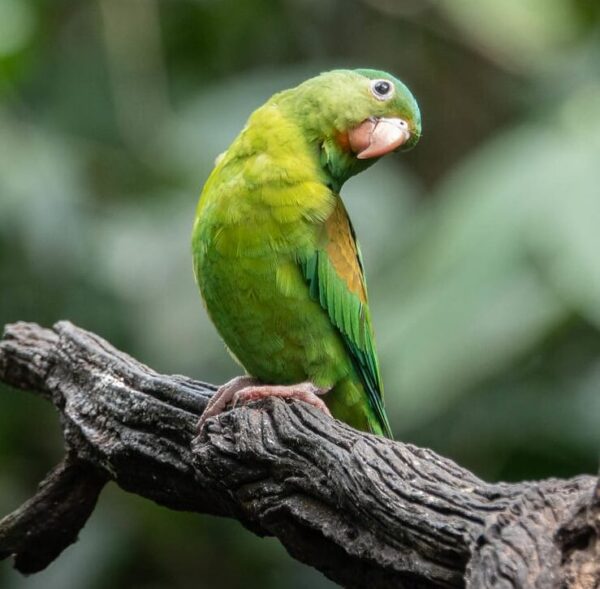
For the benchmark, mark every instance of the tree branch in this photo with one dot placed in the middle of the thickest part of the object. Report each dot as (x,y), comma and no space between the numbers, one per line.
(44,526)
(362,509)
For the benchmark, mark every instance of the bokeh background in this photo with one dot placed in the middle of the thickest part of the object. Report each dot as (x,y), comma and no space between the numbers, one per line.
(482,245)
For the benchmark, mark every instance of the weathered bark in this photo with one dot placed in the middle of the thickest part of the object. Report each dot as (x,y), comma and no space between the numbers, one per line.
(44,526)
(364,510)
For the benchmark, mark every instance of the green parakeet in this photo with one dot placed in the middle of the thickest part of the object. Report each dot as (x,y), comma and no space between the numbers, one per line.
(275,254)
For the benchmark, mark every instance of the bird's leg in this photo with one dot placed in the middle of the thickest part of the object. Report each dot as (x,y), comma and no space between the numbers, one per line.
(304,391)
(244,389)
(224,395)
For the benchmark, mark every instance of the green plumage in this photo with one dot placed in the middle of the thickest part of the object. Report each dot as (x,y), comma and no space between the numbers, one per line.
(275,255)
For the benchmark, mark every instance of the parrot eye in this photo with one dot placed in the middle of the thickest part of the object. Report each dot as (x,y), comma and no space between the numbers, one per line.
(382,89)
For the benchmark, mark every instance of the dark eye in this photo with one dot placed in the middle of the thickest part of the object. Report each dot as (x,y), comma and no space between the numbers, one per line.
(382,89)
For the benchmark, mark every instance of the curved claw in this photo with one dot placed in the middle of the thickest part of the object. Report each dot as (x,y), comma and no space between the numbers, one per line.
(223,397)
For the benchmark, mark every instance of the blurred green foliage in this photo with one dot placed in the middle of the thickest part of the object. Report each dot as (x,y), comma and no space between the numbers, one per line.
(481,245)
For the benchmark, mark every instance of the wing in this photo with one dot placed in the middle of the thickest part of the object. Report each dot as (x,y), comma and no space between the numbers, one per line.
(335,277)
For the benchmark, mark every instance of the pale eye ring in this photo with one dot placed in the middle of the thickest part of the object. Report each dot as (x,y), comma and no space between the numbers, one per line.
(382,89)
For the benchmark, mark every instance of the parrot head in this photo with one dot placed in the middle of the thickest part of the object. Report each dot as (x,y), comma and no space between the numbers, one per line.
(353,117)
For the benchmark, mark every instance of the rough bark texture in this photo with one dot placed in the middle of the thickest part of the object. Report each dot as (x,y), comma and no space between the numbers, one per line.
(365,511)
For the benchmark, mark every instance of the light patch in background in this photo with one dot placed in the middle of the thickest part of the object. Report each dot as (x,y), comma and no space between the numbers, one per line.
(17,25)
(520,33)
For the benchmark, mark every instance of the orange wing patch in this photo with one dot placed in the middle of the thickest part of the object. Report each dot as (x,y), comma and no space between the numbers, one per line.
(343,253)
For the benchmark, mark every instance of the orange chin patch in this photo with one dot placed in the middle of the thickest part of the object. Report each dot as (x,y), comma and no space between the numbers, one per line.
(343,140)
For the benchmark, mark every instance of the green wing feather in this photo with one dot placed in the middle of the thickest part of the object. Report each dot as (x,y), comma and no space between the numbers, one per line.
(335,277)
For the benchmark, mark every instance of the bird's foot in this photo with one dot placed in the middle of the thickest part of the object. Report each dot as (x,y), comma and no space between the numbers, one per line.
(244,389)
(224,395)
(304,391)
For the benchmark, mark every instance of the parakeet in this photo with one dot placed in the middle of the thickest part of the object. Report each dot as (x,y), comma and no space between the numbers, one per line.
(275,254)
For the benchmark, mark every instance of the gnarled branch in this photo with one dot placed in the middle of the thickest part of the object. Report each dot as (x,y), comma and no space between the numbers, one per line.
(364,510)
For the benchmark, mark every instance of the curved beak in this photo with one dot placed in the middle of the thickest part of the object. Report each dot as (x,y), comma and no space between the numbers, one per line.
(375,137)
